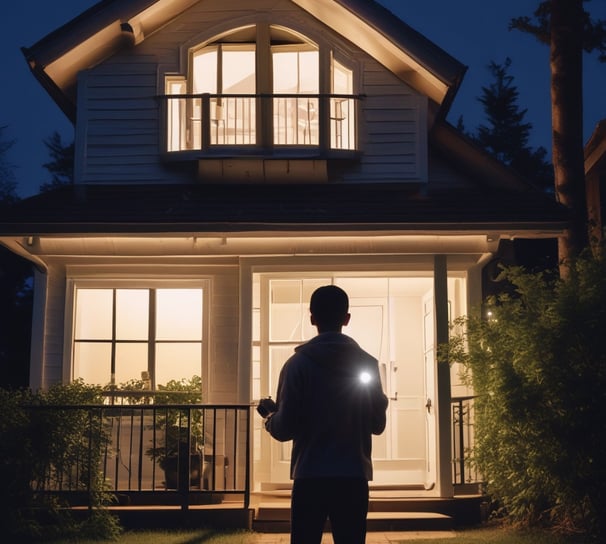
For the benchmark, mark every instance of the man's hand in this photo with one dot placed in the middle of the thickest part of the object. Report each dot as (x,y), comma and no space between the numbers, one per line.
(266,407)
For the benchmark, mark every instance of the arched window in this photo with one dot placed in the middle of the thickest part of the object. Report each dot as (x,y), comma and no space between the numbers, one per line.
(260,87)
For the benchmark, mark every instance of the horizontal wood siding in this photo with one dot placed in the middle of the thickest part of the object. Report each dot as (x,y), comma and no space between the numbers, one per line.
(224,330)
(119,121)
(52,370)
(392,137)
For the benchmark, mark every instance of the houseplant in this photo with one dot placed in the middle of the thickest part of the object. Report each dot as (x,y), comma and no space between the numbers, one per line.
(178,440)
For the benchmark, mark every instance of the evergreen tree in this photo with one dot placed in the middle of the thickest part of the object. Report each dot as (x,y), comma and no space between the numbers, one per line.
(8,185)
(15,291)
(506,134)
(61,167)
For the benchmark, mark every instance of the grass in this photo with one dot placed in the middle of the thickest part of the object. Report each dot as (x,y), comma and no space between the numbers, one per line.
(484,535)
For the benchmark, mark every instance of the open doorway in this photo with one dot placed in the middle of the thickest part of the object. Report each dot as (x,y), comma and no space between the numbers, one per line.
(393,319)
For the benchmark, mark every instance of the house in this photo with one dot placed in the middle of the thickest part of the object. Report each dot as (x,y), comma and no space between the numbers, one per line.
(231,157)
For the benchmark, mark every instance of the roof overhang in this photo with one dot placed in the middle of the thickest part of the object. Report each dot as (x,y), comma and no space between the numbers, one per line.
(112,25)
(465,248)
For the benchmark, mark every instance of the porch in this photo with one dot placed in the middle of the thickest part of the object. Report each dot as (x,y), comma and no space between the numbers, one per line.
(188,465)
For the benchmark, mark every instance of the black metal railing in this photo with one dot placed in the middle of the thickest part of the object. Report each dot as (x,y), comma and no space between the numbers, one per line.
(202,122)
(462,417)
(147,453)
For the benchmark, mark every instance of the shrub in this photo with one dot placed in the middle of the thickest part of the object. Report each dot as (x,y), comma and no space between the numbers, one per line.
(537,362)
(45,446)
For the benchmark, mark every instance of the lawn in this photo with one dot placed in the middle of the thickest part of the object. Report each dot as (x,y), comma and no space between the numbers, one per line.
(206,536)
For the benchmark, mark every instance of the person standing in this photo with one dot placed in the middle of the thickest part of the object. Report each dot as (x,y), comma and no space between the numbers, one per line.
(329,403)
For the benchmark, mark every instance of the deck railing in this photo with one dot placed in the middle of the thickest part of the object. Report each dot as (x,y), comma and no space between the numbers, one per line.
(462,419)
(181,454)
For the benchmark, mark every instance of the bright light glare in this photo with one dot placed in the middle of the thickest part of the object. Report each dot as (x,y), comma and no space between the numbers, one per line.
(365,377)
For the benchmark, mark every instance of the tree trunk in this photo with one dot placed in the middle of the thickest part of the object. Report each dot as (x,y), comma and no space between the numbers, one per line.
(566,62)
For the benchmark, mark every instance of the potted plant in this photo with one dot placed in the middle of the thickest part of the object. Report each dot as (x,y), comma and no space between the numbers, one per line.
(179,437)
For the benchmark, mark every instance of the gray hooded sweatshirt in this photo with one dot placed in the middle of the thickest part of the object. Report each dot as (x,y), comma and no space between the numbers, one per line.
(330,401)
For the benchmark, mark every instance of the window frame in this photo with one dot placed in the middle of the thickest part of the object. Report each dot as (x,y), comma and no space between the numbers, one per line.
(265,144)
(150,285)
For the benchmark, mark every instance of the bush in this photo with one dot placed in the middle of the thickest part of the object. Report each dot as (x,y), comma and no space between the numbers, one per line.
(45,450)
(537,362)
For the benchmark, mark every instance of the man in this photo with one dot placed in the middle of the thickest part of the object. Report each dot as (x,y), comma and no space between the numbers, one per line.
(329,403)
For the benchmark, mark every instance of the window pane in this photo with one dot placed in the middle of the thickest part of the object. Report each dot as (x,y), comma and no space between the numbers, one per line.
(177,361)
(239,70)
(94,314)
(296,119)
(205,71)
(131,361)
(132,314)
(92,362)
(179,314)
(296,72)
(176,121)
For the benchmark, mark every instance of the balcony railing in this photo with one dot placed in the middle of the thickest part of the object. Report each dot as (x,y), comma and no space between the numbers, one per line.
(203,122)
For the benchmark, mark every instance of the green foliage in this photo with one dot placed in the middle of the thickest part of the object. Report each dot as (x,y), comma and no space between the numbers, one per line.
(537,362)
(173,423)
(46,445)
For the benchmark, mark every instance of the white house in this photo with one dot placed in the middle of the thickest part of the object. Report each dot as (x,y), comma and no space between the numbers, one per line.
(233,155)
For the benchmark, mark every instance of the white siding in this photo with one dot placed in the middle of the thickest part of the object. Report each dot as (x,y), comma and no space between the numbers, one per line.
(52,359)
(119,126)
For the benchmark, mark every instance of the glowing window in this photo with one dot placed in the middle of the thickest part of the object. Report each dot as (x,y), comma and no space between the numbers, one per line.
(121,334)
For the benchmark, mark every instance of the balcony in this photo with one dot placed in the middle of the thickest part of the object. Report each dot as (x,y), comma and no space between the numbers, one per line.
(263,125)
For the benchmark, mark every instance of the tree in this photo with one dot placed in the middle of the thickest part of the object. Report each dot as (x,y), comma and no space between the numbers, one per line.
(61,167)
(569,30)
(15,291)
(506,134)
(8,185)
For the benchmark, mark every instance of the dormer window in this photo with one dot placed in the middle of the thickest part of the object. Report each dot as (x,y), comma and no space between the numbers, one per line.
(264,89)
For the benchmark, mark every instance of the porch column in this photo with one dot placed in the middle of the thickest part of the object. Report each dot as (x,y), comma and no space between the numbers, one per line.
(444,452)
(245,336)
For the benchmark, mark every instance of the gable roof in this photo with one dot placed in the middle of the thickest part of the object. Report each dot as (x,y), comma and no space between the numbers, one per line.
(111,25)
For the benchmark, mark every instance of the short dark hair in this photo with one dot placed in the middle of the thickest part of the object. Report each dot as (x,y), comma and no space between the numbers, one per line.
(329,306)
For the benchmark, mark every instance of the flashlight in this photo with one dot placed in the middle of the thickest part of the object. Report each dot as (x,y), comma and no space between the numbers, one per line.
(364,377)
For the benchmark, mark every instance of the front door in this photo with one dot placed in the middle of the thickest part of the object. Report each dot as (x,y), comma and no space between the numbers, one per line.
(390,321)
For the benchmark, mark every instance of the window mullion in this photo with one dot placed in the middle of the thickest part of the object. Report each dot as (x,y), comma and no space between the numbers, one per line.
(113,349)
(264,87)
(151,339)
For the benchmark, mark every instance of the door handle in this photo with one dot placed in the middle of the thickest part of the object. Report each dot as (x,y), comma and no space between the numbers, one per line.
(428,406)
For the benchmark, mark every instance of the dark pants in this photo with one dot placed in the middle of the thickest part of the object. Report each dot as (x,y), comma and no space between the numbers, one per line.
(343,501)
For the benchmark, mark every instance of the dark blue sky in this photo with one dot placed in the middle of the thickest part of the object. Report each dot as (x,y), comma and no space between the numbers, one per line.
(473,31)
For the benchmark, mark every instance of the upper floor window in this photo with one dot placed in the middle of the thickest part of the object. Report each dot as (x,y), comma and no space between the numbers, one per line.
(262,87)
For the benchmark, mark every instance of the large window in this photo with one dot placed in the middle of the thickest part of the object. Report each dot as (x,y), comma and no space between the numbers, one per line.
(132,334)
(260,86)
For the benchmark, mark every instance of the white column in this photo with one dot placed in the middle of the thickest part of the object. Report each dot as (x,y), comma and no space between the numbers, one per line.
(444,452)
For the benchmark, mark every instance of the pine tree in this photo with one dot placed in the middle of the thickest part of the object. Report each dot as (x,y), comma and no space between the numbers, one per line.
(506,134)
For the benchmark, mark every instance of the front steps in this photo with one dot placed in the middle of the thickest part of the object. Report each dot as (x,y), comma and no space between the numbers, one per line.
(387,512)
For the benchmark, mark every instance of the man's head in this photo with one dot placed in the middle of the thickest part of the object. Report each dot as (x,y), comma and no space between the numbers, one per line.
(329,307)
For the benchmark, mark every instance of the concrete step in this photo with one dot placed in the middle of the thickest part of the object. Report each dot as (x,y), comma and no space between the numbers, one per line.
(376,522)
(387,512)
